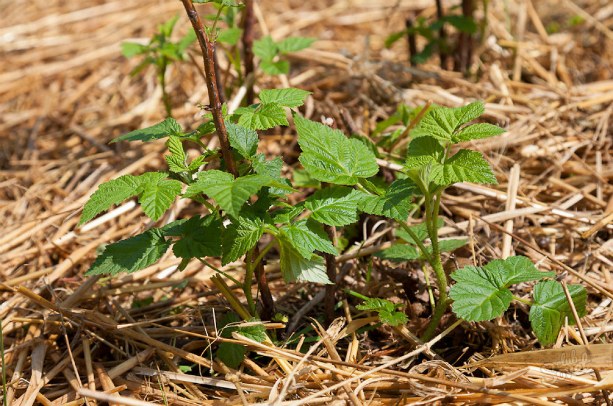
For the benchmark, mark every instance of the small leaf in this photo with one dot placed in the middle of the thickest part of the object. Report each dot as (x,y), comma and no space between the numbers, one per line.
(131,255)
(262,118)
(231,194)
(230,35)
(393,319)
(442,122)
(275,68)
(449,245)
(331,157)
(424,151)
(479,294)
(394,204)
(307,236)
(231,354)
(240,236)
(297,268)
(477,131)
(108,194)
(176,161)
(551,308)
(289,97)
(265,48)
(334,206)
(157,193)
(130,49)
(200,237)
(400,253)
(243,140)
(465,166)
(256,332)
(386,310)
(294,44)
(155,132)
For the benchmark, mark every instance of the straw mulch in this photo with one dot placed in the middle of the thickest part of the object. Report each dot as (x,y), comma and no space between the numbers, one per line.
(65,91)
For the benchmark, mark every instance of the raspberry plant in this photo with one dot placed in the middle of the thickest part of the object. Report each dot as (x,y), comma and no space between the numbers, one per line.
(245,196)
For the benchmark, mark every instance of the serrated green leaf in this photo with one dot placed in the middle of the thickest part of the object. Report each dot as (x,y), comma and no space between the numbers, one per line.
(108,194)
(157,193)
(393,319)
(290,97)
(386,311)
(334,206)
(551,308)
(131,255)
(176,161)
(424,151)
(200,237)
(231,194)
(464,166)
(243,140)
(479,294)
(196,163)
(442,122)
(256,332)
(394,204)
(271,168)
(231,354)
(302,178)
(230,35)
(275,68)
(297,268)
(130,49)
(155,132)
(240,236)
(307,236)
(331,157)
(264,117)
(517,269)
(265,48)
(400,253)
(287,214)
(294,44)
(477,131)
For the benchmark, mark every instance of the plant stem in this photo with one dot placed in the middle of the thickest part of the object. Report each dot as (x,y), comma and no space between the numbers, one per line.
(252,265)
(165,95)
(268,304)
(230,297)
(330,300)
(208,55)
(247,40)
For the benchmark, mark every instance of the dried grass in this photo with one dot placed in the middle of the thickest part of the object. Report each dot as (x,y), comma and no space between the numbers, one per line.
(65,91)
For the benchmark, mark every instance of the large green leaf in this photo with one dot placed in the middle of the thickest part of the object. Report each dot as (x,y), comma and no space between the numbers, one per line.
(307,237)
(331,157)
(262,118)
(155,132)
(335,206)
(551,308)
(243,140)
(395,203)
(517,269)
(442,122)
(295,267)
(157,193)
(199,237)
(424,151)
(465,166)
(240,236)
(108,194)
(231,194)
(289,97)
(131,255)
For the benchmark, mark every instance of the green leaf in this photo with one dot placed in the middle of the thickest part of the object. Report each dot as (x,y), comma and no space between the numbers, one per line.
(477,131)
(449,245)
(303,179)
(240,236)
(271,168)
(420,230)
(198,162)
(176,159)
(424,151)
(256,332)
(130,49)
(385,309)
(334,206)
(289,97)
(295,267)
(395,203)
(465,166)
(275,68)
(231,194)
(155,132)
(551,308)
(400,253)
(230,35)
(294,44)
(108,194)
(265,48)
(131,255)
(330,157)
(200,237)
(264,117)
(442,122)
(517,269)
(479,294)
(462,23)
(307,236)
(157,193)
(243,140)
